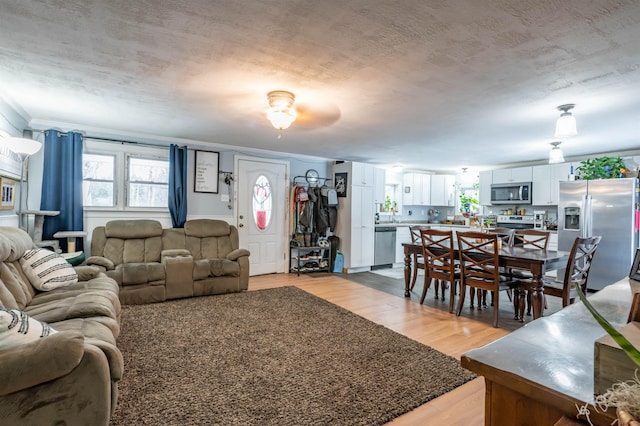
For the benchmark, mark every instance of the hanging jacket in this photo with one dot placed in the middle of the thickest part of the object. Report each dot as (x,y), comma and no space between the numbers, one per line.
(321,212)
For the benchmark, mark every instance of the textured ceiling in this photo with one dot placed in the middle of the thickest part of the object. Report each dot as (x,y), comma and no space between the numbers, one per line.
(430,84)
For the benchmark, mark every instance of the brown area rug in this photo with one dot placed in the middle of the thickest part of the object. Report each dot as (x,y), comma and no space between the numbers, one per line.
(271,357)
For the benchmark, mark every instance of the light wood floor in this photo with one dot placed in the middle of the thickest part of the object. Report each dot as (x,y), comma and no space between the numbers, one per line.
(442,331)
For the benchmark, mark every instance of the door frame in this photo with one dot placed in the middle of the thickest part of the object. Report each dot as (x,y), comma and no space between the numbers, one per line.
(287,193)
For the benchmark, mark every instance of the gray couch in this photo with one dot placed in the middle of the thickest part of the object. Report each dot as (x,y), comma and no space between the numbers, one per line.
(65,378)
(152,264)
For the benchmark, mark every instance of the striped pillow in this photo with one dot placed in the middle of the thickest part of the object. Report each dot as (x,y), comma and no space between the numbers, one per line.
(47,270)
(16,328)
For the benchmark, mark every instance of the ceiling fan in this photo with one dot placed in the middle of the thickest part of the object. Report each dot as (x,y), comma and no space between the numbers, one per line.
(283,111)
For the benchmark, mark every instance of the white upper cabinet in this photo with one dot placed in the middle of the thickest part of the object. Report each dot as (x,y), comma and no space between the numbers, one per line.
(359,174)
(484,192)
(546,181)
(416,189)
(363,174)
(517,174)
(379,186)
(442,190)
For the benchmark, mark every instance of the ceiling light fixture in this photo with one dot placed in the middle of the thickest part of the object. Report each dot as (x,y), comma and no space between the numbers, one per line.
(281,112)
(555,155)
(566,124)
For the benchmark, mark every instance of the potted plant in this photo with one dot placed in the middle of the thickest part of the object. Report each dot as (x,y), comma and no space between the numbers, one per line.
(601,168)
(625,396)
(468,202)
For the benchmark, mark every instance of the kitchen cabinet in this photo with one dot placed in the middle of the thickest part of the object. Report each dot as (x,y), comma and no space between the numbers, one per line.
(355,225)
(416,189)
(484,192)
(361,242)
(403,235)
(442,190)
(517,174)
(546,180)
(360,174)
(379,180)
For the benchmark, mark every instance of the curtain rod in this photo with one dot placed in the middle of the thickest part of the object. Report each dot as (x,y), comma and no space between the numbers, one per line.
(127,142)
(111,140)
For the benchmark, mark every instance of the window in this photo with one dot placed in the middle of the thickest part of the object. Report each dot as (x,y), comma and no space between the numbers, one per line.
(148,183)
(262,202)
(124,176)
(98,180)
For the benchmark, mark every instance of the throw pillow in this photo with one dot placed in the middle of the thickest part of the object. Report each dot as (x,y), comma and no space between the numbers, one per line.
(47,270)
(17,328)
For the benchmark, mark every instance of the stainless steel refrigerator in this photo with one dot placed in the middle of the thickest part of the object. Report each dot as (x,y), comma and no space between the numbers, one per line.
(605,208)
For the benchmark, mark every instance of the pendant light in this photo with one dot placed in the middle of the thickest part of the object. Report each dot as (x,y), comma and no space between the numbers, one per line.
(566,124)
(555,155)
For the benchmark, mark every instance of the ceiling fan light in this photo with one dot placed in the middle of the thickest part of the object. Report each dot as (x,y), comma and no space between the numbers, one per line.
(281,119)
(566,124)
(555,155)
(281,112)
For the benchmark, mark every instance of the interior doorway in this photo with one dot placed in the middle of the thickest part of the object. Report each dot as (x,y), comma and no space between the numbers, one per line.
(262,212)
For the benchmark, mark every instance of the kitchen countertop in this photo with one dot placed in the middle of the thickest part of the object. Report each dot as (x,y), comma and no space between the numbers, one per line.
(407,224)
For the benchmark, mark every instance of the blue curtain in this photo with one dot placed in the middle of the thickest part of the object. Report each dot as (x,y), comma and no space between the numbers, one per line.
(62,184)
(178,185)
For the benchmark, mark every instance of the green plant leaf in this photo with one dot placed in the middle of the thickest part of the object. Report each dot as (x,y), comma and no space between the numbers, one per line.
(625,344)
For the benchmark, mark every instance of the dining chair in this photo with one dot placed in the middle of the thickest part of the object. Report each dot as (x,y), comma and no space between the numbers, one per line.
(479,262)
(531,238)
(418,261)
(577,271)
(439,263)
(534,239)
(505,234)
(507,237)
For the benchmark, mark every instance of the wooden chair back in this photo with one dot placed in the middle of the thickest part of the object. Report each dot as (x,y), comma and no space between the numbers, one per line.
(438,254)
(415,232)
(579,264)
(505,234)
(478,253)
(531,238)
(418,262)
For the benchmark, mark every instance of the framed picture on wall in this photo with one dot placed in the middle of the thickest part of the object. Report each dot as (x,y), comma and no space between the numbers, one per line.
(207,164)
(340,180)
(8,188)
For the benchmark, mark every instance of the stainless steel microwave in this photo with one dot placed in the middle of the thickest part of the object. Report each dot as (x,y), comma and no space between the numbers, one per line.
(511,193)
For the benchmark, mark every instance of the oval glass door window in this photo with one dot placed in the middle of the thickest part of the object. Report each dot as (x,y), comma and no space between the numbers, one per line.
(262,202)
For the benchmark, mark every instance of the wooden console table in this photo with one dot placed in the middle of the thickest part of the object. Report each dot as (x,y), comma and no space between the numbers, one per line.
(539,373)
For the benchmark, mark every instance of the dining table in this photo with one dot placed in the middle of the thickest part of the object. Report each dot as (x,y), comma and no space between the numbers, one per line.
(536,261)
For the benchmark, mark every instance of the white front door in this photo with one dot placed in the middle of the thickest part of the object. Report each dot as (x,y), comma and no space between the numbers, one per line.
(263,212)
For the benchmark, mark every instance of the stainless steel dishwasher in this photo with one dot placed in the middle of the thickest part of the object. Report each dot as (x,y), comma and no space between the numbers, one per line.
(384,249)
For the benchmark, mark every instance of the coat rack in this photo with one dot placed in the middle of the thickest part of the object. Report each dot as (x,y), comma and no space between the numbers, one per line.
(304,178)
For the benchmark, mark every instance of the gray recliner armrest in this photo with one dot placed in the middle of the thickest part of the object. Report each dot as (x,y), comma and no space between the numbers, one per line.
(237,253)
(40,361)
(86,273)
(174,253)
(100,261)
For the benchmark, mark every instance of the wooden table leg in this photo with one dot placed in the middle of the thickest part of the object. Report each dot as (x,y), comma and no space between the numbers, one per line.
(537,295)
(407,273)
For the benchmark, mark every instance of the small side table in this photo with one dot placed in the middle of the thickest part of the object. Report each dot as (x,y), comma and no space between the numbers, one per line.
(71,238)
(72,256)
